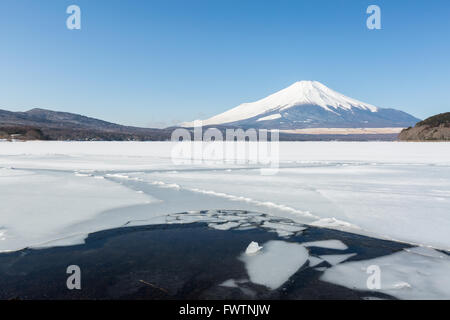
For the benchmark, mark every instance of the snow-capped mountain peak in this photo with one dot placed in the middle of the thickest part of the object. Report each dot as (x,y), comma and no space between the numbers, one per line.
(307,100)
(315,93)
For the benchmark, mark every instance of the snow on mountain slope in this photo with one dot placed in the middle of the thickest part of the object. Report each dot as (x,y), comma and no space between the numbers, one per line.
(307,104)
(271,117)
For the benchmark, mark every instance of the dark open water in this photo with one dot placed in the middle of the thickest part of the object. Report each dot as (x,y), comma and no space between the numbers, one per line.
(182,261)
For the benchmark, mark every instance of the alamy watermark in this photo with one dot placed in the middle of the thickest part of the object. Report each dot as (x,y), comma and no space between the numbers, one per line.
(74,280)
(73,22)
(228,146)
(373,22)
(374,280)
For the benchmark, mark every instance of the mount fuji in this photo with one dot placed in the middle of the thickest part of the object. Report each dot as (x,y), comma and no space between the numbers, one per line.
(309,104)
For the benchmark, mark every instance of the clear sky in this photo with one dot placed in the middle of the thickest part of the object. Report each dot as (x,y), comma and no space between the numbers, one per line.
(156,63)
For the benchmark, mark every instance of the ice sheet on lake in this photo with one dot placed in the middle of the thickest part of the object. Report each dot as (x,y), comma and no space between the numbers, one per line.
(65,241)
(321,269)
(418,273)
(121,153)
(232,219)
(275,263)
(335,259)
(224,226)
(334,223)
(328,244)
(391,201)
(284,229)
(384,189)
(427,252)
(36,207)
(314,261)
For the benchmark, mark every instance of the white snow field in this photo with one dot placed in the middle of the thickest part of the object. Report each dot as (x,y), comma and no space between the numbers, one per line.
(389,190)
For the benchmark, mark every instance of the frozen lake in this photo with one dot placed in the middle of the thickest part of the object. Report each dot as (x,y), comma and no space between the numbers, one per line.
(225,254)
(390,190)
(57,193)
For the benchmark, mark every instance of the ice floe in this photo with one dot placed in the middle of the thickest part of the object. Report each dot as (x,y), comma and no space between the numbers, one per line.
(230,283)
(276,263)
(417,273)
(224,226)
(328,244)
(335,259)
(237,219)
(314,261)
(253,248)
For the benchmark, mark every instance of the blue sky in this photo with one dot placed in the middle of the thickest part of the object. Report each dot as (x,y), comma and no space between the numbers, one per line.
(156,63)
